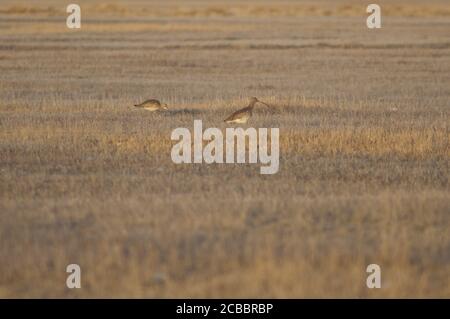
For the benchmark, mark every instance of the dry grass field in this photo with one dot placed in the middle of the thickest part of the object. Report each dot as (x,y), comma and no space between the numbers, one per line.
(86,178)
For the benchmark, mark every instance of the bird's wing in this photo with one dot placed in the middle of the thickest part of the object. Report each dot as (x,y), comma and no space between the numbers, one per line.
(149,102)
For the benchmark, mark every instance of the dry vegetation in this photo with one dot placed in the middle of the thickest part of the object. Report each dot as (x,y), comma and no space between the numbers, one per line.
(86,178)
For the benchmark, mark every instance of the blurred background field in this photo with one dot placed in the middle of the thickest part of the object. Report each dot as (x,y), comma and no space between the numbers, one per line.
(86,178)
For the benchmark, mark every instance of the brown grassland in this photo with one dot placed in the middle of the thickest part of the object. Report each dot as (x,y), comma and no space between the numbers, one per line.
(364,139)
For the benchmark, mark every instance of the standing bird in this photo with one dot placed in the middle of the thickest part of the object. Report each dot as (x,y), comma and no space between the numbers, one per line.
(152,105)
(242,115)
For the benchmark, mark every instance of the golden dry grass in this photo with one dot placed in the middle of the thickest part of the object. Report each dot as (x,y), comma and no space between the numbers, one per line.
(86,178)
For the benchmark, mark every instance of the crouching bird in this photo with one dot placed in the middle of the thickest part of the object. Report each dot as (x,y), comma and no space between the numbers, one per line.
(152,105)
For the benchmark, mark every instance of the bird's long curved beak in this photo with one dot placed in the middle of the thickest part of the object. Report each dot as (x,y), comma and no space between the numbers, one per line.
(265,104)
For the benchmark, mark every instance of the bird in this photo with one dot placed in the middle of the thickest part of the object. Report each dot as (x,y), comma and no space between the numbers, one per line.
(152,105)
(242,115)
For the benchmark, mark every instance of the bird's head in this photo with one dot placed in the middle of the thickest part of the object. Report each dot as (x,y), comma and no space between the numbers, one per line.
(165,107)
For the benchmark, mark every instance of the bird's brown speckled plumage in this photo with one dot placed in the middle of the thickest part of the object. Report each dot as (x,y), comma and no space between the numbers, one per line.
(152,105)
